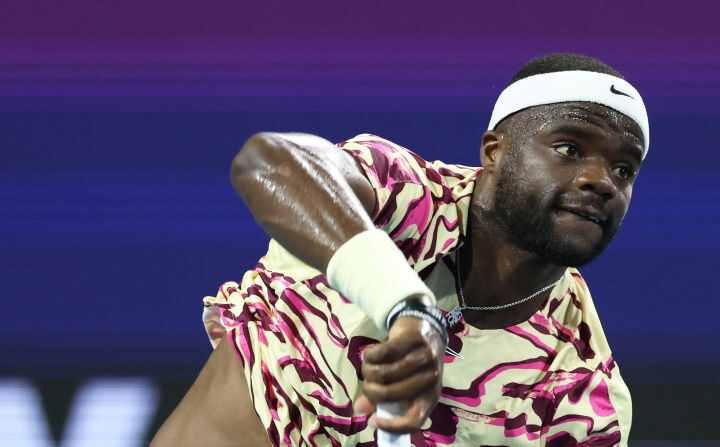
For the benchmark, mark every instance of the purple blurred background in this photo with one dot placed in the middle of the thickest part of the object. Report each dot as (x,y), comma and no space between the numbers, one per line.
(118,121)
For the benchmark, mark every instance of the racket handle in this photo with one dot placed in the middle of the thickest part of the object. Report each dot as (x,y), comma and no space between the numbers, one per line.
(388,410)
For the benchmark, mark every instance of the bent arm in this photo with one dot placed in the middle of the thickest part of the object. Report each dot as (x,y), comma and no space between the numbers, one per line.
(304,192)
(313,198)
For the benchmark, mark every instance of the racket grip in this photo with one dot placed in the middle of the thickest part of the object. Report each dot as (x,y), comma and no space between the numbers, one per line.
(388,410)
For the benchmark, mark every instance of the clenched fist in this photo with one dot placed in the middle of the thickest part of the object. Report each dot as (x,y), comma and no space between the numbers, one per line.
(407,367)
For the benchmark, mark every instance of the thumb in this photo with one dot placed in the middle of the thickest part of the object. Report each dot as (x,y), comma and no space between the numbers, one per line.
(364,405)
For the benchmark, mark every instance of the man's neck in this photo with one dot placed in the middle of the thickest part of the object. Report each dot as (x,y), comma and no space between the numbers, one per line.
(495,272)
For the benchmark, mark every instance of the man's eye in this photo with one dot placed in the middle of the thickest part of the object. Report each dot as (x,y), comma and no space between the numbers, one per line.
(567,150)
(623,172)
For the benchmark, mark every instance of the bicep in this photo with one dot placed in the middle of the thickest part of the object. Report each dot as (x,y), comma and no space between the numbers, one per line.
(349,167)
(339,160)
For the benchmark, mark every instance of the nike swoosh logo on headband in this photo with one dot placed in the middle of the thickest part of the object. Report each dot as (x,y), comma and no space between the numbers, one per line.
(618,92)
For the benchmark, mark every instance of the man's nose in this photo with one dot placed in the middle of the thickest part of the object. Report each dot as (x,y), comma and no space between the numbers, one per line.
(595,176)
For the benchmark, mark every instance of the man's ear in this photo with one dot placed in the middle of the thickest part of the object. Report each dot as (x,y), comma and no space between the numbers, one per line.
(492,151)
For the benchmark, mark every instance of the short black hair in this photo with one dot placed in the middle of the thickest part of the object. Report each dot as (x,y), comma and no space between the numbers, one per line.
(555,62)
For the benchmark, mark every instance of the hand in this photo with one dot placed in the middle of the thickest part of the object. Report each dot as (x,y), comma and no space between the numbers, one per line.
(408,367)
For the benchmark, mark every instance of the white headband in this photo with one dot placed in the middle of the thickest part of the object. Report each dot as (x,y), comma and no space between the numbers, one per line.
(567,86)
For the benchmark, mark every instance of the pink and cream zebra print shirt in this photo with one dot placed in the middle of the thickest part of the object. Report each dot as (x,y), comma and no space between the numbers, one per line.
(548,381)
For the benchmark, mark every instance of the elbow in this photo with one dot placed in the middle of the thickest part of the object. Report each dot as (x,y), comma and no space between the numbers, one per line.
(250,154)
(254,158)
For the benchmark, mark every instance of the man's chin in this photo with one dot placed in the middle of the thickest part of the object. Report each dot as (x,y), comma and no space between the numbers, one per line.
(574,242)
(560,238)
(571,249)
(572,255)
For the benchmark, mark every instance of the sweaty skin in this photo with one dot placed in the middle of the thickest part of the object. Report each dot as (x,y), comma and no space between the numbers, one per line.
(558,156)
(557,166)
(304,193)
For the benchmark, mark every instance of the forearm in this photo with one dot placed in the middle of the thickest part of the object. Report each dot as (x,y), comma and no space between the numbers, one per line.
(299,188)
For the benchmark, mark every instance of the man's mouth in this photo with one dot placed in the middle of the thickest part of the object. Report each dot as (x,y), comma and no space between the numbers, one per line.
(587,213)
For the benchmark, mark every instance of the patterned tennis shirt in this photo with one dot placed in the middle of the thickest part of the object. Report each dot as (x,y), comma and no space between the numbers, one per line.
(548,381)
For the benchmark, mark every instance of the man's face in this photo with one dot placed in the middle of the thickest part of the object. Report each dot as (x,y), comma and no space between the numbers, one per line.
(566,180)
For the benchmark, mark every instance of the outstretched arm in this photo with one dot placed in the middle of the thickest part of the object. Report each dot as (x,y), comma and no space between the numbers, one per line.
(312,198)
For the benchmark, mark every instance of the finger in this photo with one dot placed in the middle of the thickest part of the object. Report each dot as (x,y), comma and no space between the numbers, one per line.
(410,422)
(416,361)
(364,405)
(391,350)
(409,388)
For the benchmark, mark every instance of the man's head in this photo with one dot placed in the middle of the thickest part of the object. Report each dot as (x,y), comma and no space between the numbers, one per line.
(563,172)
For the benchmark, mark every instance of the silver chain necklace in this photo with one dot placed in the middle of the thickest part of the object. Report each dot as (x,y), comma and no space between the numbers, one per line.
(456,314)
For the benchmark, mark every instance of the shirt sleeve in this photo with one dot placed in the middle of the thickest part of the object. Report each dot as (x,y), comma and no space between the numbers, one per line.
(403,201)
(418,203)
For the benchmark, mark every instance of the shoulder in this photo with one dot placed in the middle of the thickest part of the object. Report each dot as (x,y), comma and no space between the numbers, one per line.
(423,205)
(393,163)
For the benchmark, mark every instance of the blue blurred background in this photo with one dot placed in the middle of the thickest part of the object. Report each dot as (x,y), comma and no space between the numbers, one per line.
(118,122)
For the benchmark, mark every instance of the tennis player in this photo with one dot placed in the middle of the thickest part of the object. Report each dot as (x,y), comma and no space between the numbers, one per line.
(449,290)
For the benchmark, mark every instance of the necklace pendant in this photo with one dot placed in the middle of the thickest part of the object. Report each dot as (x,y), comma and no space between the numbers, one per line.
(454,316)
